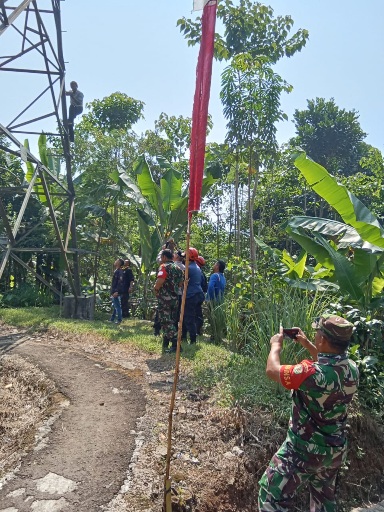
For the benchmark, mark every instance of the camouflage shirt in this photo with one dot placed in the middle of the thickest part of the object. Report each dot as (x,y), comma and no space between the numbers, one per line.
(321,393)
(172,275)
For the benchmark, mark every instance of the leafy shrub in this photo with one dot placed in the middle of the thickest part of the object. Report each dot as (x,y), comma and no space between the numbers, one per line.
(27,295)
(367,350)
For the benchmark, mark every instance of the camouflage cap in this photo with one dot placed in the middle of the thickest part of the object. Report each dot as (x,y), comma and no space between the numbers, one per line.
(335,326)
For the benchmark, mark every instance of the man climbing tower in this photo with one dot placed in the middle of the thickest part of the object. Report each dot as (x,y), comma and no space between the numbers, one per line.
(75,108)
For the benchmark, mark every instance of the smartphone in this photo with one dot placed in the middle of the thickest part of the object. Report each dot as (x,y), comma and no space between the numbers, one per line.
(291,333)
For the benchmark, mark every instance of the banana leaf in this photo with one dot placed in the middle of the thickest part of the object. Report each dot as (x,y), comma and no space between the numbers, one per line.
(345,273)
(38,187)
(365,265)
(53,163)
(314,285)
(310,245)
(292,268)
(43,153)
(295,268)
(170,185)
(131,190)
(349,207)
(148,188)
(145,242)
(42,143)
(156,243)
(340,233)
(299,267)
(275,254)
(377,286)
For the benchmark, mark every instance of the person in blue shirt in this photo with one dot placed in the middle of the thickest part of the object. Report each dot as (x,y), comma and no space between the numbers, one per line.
(217,282)
(204,286)
(215,297)
(194,297)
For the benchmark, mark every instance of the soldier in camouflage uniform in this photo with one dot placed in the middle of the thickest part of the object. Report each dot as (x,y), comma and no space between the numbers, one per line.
(315,446)
(167,284)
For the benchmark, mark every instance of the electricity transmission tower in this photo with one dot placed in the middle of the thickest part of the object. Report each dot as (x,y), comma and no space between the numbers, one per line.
(31,47)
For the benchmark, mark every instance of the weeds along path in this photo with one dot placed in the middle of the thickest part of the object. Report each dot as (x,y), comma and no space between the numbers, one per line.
(90,446)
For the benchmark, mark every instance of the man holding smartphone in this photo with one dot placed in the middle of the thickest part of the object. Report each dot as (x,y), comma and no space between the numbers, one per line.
(315,446)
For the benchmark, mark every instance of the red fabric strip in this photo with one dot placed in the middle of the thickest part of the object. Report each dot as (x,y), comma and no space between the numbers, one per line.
(200,106)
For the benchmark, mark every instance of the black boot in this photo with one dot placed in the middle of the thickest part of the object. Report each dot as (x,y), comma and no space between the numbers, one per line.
(174,346)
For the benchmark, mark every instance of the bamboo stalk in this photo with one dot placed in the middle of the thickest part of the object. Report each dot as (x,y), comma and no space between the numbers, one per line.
(167,479)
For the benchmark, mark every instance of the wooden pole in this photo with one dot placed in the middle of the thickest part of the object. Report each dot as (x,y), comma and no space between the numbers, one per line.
(167,479)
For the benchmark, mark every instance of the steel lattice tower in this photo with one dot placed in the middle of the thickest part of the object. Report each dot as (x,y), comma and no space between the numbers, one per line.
(34,29)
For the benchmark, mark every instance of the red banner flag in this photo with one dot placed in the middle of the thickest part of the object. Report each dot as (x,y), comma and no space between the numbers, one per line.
(200,106)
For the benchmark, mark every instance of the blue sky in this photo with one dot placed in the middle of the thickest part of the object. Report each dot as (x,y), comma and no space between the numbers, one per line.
(135,47)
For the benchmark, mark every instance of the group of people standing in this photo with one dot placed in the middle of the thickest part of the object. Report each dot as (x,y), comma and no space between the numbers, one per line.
(169,289)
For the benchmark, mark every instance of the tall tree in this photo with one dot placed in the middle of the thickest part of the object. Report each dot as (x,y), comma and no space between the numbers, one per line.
(118,111)
(251,98)
(330,135)
(249,27)
(252,40)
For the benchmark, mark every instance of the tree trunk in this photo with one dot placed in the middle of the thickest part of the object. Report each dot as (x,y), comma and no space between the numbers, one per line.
(237,208)
(251,206)
(218,215)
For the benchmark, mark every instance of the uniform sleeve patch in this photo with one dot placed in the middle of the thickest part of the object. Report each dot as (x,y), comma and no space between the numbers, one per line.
(298,368)
(162,274)
(293,375)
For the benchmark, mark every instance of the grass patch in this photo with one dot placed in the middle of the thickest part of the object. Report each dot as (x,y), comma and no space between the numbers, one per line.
(235,379)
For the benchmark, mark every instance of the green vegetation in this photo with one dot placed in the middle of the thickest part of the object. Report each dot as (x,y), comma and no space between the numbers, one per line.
(300,233)
(233,378)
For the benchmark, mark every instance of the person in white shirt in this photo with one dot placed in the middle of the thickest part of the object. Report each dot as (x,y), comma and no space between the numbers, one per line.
(75,107)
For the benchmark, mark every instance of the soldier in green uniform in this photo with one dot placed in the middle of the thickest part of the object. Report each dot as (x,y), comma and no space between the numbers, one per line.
(167,285)
(315,446)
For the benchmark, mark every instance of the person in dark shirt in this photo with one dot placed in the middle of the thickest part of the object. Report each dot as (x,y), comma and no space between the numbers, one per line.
(194,297)
(315,446)
(129,281)
(117,289)
(75,107)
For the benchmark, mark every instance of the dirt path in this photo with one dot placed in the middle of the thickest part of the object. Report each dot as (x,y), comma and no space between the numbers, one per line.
(106,450)
(90,446)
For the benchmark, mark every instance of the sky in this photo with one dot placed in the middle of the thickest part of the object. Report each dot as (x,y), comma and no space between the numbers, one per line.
(135,47)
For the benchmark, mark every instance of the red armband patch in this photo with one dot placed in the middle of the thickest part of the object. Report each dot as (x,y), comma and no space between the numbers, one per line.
(293,375)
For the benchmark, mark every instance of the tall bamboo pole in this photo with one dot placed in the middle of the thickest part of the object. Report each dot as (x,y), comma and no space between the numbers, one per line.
(167,479)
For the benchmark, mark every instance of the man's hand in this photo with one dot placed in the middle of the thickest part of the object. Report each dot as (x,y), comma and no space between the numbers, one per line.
(277,338)
(304,342)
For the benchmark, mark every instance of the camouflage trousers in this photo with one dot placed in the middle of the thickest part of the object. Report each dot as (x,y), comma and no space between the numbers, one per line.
(290,470)
(167,309)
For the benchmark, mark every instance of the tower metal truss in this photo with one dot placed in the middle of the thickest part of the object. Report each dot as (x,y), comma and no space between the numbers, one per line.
(34,29)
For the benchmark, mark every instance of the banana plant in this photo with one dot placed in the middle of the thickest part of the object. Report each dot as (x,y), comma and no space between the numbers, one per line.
(353,250)
(296,272)
(161,207)
(48,161)
(38,187)
(349,253)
